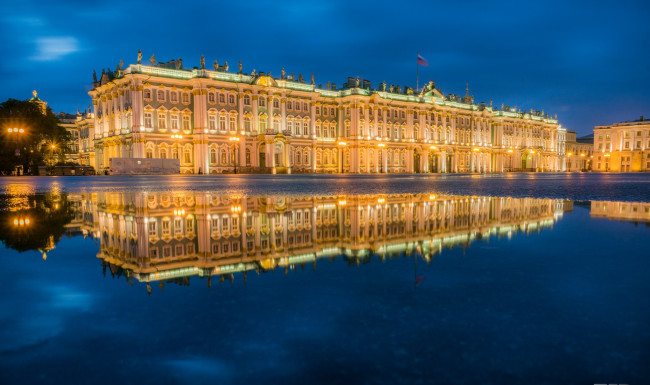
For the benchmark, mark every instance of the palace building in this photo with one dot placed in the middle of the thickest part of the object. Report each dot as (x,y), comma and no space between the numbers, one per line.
(215,121)
(622,147)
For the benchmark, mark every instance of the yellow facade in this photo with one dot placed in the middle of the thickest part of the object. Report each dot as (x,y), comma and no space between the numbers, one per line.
(283,125)
(622,147)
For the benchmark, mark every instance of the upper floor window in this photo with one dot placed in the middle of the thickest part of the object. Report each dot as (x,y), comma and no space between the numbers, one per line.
(211,97)
(261,102)
(231,99)
(147,94)
(173,97)
(186,98)
(247,100)
(160,96)
(222,99)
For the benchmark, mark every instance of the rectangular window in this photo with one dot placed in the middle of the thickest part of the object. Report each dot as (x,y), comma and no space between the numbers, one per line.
(222,98)
(148,120)
(174,97)
(162,121)
(175,122)
(160,96)
(186,98)
(186,122)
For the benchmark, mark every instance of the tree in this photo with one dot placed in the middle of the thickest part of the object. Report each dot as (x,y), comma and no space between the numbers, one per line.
(33,133)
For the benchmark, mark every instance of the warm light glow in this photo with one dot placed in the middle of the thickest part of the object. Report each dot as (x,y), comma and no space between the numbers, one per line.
(432,197)
(21,130)
(510,151)
(179,212)
(570,154)
(342,143)
(15,221)
(53,146)
(381,200)
(235,209)
(342,203)
(8,129)
(433,147)
(475,149)
(234,139)
(582,154)
(15,130)
(177,136)
(532,152)
(381,145)
(607,155)
(26,221)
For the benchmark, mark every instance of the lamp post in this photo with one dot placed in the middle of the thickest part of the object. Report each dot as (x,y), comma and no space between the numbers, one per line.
(569,155)
(176,138)
(381,151)
(342,146)
(606,162)
(235,144)
(584,163)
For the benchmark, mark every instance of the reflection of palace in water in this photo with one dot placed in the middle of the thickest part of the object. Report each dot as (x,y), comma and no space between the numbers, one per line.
(170,236)
(622,211)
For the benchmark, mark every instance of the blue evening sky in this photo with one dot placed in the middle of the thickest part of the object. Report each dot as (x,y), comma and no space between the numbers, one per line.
(586,61)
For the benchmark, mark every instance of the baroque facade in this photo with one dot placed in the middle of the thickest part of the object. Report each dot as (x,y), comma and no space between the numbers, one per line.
(622,147)
(215,121)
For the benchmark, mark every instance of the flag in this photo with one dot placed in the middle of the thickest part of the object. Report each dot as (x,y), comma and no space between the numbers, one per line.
(422,61)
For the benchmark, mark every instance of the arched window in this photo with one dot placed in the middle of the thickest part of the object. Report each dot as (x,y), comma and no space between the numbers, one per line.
(163,153)
(247,100)
(247,123)
(224,157)
(248,157)
(188,156)
(149,153)
(213,156)
(263,124)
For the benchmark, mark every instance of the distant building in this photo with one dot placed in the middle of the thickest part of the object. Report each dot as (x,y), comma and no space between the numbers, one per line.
(622,147)
(579,152)
(216,121)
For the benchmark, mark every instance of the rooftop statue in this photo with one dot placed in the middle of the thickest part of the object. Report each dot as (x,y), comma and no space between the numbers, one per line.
(254,73)
(357,82)
(35,94)
(312,79)
(328,85)
(382,86)
(139,56)
(283,73)
(225,67)
(121,64)
(152,59)
(179,64)
(202,62)
(300,79)
(240,68)
(291,77)
(216,65)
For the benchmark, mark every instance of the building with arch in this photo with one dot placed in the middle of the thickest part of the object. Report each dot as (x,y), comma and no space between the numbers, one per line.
(216,122)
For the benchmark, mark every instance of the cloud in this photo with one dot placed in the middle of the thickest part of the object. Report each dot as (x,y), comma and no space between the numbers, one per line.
(54,48)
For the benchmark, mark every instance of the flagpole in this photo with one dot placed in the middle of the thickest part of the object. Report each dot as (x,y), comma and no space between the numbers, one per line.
(417,73)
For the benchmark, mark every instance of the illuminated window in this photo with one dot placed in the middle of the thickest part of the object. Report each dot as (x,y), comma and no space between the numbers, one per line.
(174,122)
(212,98)
(247,100)
(222,98)
(186,122)
(148,119)
(173,96)
(160,96)
(231,99)
(162,120)
(186,98)
(261,102)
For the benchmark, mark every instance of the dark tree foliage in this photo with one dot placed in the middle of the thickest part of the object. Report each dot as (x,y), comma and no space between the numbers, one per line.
(31,147)
(47,214)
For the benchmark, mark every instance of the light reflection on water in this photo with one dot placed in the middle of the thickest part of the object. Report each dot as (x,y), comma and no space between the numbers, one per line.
(271,288)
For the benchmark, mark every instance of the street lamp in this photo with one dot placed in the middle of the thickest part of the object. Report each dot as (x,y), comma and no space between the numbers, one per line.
(235,143)
(381,162)
(569,155)
(606,163)
(342,145)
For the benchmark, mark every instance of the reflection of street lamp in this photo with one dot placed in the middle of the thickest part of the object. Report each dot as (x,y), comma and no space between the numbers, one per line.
(235,144)
(381,162)
(342,145)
